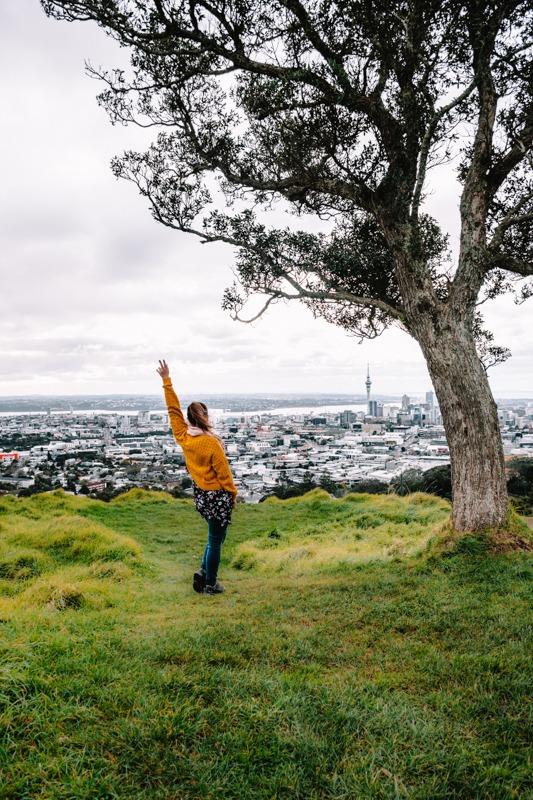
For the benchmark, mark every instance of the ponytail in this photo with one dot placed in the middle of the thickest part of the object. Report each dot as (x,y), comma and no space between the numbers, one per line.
(197,415)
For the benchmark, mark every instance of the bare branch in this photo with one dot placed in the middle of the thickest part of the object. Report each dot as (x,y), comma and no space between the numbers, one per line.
(235,316)
(440,113)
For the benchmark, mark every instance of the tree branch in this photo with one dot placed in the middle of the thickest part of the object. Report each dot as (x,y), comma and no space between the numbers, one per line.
(360,194)
(235,316)
(301,292)
(329,55)
(511,218)
(336,297)
(511,264)
(425,145)
(475,196)
(524,141)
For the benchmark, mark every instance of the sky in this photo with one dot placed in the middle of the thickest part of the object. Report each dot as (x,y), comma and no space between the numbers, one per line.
(94,291)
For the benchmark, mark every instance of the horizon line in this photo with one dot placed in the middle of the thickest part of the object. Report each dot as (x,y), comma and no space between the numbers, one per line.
(509,396)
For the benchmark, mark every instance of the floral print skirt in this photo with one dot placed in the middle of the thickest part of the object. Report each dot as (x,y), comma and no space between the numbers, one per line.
(214,504)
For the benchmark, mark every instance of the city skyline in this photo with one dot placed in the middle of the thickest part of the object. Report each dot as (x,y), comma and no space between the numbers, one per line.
(95,291)
(117,450)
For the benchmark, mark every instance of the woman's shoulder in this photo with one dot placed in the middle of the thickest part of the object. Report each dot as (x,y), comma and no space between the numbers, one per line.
(214,442)
(206,440)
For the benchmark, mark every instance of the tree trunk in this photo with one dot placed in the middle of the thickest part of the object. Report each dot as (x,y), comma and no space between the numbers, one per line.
(470,420)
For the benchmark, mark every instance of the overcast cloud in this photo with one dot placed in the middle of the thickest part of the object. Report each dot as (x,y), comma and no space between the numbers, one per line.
(94,291)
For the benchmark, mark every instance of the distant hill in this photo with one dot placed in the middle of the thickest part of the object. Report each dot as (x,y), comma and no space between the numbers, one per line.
(231,402)
(139,402)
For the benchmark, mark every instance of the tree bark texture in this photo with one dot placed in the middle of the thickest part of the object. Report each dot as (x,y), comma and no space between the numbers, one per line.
(471,422)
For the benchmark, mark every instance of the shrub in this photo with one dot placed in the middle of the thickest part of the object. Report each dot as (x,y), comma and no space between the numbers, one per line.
(369,486)
(436,480)
(520,483)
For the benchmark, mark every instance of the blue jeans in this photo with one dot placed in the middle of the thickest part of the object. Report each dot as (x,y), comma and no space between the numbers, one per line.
(211,559)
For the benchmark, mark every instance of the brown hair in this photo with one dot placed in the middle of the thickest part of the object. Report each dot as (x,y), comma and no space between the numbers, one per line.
(197,415)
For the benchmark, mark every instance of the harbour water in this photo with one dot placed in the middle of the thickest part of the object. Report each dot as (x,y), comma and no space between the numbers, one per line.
(215,413)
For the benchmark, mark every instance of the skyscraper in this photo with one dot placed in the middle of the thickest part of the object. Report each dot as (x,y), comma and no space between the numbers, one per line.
(368,384)
(373,408)
(430,399)
(347,418)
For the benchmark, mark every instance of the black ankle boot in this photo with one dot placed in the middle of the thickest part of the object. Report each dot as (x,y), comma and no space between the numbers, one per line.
(215,588)
(198,581)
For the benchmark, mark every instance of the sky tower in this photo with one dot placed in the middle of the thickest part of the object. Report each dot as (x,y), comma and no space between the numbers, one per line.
(368,383)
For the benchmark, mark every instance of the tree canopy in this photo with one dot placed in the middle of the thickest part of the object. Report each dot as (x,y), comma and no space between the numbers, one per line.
(340,108)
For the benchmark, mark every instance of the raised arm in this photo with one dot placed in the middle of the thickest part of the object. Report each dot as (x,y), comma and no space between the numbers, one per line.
(222,469)
(177,420)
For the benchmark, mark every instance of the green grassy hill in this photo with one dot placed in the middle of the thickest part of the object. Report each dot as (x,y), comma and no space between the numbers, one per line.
(346,660)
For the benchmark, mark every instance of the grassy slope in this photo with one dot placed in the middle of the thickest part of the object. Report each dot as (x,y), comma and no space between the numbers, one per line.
(330,669)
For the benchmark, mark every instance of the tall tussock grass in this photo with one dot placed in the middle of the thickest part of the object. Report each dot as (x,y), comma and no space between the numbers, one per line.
(46,504)
(143,496)
(69,539)
(339,533)
(59,502)
(55,558)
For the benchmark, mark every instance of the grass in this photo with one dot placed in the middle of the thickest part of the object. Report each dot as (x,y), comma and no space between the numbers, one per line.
(53,557)
(331,536)
(362,668)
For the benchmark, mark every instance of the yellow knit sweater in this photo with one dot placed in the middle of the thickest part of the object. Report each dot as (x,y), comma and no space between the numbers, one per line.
(204,455)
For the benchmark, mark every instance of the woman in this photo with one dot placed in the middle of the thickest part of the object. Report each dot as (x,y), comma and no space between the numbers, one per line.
(214,490)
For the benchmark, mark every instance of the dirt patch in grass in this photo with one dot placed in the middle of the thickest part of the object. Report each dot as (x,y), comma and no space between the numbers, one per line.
(515,536)
(510,541)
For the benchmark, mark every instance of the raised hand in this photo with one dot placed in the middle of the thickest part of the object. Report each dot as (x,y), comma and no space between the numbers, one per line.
(163,369)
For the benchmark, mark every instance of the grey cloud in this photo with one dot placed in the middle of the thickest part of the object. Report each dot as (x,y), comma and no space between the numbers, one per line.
(94,290)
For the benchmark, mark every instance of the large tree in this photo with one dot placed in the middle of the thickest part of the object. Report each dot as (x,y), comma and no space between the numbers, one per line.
(339,109)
